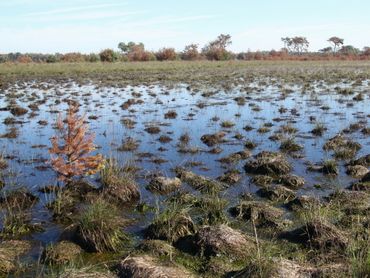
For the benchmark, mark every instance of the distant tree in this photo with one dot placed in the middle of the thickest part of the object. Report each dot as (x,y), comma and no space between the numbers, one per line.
(135,52)
(24,59)
(4,58)
(337,42)
(295,44)
(92,58)
(216,50)
(73,57)
(139,54)
(51,59)
(287,43)
(108,55)
(190,52)
(166,54)
(349,50)
(130,46)
(299,44)
(366,51)
(326,50)
(222,41)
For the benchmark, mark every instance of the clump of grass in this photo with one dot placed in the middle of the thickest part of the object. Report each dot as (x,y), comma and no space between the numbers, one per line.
(18,111)
(238,136)
(100,227)
(344,153)
(184,138)
(63,206)
(289,129)
(11,133)
(263,129)
(10,121)
(289,145)
(359,97)
(172,223)
(77,271)
(118,185)
(128,123)
(248,128)
(344,91)
(330,167)
(227,124)
(319,129)
(16,223)
(170,114)
(3,162)
(250,145)
(164,139)
(128,145)
(359,255)
(16,217)
(61,253)
(10,251)
(240,100)
(212,208)
(153,129)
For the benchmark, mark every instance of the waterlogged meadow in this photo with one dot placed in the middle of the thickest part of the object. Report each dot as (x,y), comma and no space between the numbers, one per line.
(214,169)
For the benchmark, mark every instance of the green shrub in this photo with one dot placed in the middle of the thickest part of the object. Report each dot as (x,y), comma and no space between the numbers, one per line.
(108,55)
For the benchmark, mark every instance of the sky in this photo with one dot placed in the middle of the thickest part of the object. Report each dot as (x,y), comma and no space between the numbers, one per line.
(51,26)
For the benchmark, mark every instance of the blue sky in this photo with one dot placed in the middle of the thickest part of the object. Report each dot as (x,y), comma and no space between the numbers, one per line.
(91,25)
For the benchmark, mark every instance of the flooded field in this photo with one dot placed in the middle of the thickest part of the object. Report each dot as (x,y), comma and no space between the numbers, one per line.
(283,163)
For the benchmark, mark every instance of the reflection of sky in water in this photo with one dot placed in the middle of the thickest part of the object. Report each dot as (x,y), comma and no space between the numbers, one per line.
(105,103)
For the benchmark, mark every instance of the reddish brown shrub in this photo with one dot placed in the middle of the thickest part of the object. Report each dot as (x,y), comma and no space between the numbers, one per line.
(24,59)
(71,147)
(73,57)
(166,54)
(138,53)
(190,52)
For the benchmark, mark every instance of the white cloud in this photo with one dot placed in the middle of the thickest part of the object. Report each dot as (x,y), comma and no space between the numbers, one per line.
(82,16)
(75,9)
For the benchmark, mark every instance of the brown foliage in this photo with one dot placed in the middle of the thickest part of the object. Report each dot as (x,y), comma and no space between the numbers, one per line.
(71,147)
(24,59)
(166,54)
(73,57)
(216,50)
(138,53)
(190,52)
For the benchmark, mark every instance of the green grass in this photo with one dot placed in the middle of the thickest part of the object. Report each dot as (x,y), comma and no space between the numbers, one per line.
(100,227)
(180,70)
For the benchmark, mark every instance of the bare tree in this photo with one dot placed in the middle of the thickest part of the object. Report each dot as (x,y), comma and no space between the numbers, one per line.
(190,52)
(216,50)
(336,42)
(295,44)
(287,43)
(221,42)
(300,44)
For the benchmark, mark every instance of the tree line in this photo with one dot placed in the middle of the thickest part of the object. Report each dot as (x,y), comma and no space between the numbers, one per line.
(294,48)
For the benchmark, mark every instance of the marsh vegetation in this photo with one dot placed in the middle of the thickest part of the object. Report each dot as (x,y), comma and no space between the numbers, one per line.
(196,169)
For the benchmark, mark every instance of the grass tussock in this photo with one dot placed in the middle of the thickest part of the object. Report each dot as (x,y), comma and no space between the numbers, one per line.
(100,227)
